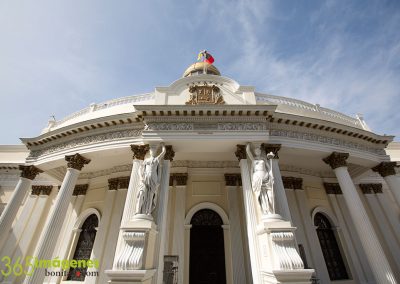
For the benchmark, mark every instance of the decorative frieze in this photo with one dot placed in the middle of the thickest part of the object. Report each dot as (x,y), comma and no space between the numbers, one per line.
(274,148)
(139,151)
(170,153)
(178,179)
(76,161)
(87,140)
(240,152)
(324,140)
(204,164)
(369,188)
(385,168)
(292,183)
(233,180)
(80,189)
(336,160)
(29,172)
(118,183)
(332,188)
(41,189)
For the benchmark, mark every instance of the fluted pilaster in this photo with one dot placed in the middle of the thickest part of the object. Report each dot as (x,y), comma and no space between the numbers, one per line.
(28,173)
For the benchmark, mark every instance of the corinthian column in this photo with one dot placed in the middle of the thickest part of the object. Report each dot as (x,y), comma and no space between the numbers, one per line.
(369,240)
(54,222)
(387,171)
(28,173)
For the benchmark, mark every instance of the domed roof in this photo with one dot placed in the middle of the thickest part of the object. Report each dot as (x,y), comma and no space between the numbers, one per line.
(198,68)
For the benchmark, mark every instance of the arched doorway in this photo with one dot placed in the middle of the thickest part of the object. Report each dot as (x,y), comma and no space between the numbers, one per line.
(207,255)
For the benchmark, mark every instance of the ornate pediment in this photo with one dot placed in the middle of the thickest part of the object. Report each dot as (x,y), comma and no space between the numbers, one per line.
(205,94)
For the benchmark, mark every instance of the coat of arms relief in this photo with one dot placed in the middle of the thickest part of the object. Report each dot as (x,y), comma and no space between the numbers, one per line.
(205,94)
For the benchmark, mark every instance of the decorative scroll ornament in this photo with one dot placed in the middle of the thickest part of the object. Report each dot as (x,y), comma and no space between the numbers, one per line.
(209,95)
(284,247)
(76,161)
(131,256)
(139,151)
(29,172)
(385,169)
(336,160)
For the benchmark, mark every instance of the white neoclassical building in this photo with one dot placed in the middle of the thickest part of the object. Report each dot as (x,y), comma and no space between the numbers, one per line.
(203,181)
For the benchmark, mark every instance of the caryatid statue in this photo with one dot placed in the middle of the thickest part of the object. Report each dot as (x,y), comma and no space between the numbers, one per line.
(150,175)
(262,179)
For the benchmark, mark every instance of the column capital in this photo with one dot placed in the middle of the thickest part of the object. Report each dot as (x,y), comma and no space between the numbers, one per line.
(139,151)
(336,160)
(178,179)
(369,188)
(274,148)
(292,183)
(332,188)
(240,152)
(76,161)
(233,180)
(385,168)
(170,153)
(118,183)
(80,189)
(287,182)
(41,189)
(29,172)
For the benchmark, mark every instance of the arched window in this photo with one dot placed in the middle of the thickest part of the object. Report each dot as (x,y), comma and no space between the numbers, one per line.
(330,249)
(84,247)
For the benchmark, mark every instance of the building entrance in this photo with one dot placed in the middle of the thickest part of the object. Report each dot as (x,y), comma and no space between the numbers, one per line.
(207,254)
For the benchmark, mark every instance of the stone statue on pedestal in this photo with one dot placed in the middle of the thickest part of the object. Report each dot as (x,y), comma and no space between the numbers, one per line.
(262,179)
(150,174)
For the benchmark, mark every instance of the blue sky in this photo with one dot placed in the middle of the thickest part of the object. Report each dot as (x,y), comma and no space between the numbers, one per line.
(57,57)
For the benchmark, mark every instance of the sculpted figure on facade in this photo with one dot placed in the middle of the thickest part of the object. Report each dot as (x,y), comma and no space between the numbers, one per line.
(262,179)
(150,175)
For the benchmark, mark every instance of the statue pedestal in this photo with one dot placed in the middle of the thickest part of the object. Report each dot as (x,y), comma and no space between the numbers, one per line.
(280,261)
(135,260)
